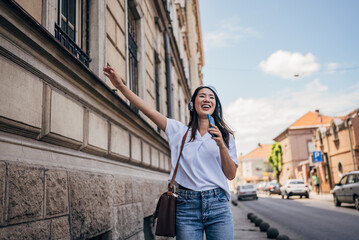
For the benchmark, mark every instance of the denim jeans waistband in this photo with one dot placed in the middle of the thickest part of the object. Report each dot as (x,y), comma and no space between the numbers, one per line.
(190,193)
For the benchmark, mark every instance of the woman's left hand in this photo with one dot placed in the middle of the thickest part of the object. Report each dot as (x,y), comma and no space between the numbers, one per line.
(218,138)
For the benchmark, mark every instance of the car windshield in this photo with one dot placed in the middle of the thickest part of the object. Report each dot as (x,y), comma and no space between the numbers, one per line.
(296,182)
(344,180)
(249,186)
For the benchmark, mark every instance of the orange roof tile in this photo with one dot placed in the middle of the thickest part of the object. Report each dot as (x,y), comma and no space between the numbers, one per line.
(311,119)
(262,151)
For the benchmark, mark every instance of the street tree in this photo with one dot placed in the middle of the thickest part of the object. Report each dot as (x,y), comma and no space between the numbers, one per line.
(276,160)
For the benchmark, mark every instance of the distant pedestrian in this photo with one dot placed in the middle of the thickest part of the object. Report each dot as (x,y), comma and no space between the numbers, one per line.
(316,181)
(208,159)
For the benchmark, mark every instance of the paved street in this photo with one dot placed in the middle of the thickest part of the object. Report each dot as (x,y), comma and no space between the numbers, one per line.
(314,218)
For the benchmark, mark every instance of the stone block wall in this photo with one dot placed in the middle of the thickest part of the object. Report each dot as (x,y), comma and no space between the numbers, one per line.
(37,202)
(76,162)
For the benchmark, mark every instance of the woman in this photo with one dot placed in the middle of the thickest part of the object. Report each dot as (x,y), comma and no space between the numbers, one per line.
(208,159)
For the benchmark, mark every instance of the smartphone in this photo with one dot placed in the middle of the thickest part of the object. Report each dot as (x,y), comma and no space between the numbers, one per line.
(211,121)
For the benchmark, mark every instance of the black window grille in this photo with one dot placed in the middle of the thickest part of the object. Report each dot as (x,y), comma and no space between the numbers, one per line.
(132,49)
(179,110)
(72,24)
(157,84)
(185,116)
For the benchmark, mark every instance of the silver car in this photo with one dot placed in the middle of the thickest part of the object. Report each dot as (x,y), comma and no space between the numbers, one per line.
(247,191)
(347,190)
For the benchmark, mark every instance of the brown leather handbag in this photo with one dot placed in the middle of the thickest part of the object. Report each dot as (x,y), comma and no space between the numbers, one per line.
(166,206)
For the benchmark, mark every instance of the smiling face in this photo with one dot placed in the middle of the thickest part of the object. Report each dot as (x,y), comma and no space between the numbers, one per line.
(205,102)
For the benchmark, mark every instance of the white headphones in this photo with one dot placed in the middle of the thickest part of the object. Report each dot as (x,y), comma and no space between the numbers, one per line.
(190,104)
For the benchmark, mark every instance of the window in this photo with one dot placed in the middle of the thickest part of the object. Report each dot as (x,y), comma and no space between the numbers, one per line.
(179,104)
(72,28)
(157,84)
(340,169)
(351,178)
(132,49)
(320,137)
(344,180)
(310,146)
(185,116)
(179,110)
(335,132)
(357,178)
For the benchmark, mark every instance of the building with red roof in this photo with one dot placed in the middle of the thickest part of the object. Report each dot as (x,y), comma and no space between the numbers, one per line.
(254,167)
(297,145)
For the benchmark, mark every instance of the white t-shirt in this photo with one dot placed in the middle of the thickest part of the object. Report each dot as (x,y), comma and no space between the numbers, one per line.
(200,167)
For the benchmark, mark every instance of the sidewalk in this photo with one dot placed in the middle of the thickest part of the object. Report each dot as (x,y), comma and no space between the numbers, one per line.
(243,228)
(312,195)
(321,196)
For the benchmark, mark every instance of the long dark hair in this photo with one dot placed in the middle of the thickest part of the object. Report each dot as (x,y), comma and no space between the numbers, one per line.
(217,115)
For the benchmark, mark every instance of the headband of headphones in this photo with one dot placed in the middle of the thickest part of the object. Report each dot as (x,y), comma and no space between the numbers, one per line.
(191,103)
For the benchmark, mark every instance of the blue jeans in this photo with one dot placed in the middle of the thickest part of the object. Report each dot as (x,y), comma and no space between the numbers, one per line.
(207,211)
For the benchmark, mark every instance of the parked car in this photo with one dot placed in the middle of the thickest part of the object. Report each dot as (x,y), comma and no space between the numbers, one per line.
(347,190)
(265,187)
(261,186)
(247,191)
(294,187)
(274,188)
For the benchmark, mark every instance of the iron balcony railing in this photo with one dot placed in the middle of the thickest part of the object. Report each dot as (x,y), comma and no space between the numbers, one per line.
(65,39)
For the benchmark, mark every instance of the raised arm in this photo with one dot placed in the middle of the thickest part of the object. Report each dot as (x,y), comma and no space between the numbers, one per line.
(159,119)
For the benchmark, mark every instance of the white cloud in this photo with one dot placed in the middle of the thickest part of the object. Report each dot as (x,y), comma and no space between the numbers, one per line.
(262,119)
(227,34)
(288,65)
(316,86)
(331,67)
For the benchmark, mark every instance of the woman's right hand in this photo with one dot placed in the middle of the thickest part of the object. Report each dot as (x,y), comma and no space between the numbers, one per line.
(159,119)
(113,76)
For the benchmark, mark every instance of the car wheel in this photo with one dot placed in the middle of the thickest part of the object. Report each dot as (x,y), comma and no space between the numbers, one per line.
(356,200)
(336,201)
(288,196)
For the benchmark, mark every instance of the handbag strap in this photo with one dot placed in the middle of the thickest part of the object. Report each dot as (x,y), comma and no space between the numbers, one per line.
(170,187)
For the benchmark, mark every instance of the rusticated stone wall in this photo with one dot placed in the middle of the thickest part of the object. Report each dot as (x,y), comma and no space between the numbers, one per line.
(76,162)
(37,202)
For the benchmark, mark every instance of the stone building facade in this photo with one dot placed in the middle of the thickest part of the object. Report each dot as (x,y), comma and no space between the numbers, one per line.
(339,144)
(77,161)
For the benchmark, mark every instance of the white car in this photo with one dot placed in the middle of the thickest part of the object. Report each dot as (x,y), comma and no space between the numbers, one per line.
(294,187)
(247,191)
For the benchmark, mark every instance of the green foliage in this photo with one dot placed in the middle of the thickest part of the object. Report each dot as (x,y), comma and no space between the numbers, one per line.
(276,160)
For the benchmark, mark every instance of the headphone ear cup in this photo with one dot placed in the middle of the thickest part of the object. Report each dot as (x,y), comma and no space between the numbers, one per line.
(190,106)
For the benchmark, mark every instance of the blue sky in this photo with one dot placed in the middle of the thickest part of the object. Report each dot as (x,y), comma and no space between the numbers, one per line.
(273,61)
